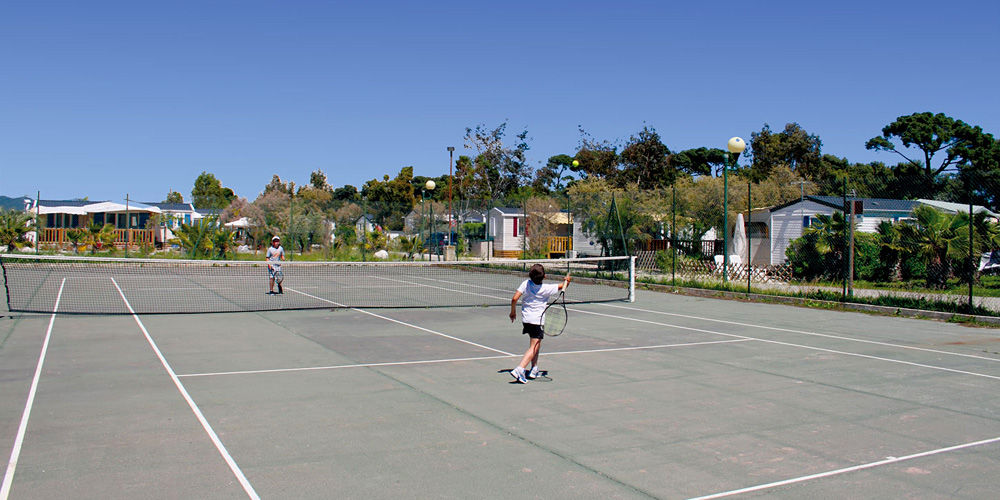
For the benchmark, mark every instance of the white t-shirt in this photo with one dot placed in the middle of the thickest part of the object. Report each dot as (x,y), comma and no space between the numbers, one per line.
(275,254)
(534,299)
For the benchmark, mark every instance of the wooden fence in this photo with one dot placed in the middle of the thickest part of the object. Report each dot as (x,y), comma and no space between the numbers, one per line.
(138,237)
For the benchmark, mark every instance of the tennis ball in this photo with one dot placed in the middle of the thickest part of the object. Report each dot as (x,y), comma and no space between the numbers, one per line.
(576,163)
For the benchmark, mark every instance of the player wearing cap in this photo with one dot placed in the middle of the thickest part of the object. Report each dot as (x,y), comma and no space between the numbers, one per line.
(275,254)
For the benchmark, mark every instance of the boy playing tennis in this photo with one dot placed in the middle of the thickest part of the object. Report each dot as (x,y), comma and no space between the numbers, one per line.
(275,254)
(535,296)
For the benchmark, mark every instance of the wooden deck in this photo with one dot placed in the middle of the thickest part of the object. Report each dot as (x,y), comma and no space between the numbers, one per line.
(132,237)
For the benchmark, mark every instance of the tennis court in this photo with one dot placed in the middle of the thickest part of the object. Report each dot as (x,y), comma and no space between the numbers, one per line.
(666,397)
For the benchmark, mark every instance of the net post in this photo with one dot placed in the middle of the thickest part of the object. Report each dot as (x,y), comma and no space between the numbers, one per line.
(3,268)
(631,278)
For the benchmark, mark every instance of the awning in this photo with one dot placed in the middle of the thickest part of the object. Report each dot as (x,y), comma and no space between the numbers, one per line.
(110,206)
(241,222)
(43,210)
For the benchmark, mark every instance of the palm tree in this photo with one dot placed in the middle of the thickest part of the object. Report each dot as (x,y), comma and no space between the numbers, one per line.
(986,237)
(98,236)
(938,238)
(76,238)
(889,252)
(196,239)
(14,228)
(223,241)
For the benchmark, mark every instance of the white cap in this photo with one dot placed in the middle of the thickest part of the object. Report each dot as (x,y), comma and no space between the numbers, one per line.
(276,239)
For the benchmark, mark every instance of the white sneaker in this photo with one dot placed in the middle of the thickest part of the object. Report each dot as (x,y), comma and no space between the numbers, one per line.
(518,374)
(533,374)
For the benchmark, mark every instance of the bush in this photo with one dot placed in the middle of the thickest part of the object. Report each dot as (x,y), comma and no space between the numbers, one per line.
(867,262)
(807,263)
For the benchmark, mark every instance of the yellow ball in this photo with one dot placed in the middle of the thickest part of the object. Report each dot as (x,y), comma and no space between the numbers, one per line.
(576,163)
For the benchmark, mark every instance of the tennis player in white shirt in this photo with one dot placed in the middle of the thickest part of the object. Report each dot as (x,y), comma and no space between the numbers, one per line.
(534,296)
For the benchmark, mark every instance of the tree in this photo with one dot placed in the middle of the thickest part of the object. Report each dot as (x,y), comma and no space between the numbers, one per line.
(596,158)
(498,168)
(346,193)
(317,180)
(197,239)
(390,200)
(610,215)
(174,197)
(100,236)
(464,177)
(930,133)
(936,236)
(979,175)
(223,241)
(14,228)
(208,192)
(699,161)
(240,207)
(869,180)
(821,251)
(793,147)
(277,186)
(76,238)
(554,176)
(645,163)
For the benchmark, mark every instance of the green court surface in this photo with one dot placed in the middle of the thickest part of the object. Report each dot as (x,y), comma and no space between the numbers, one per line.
(667,397)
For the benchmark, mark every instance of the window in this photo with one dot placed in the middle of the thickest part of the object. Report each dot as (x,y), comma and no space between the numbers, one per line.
(757,230)
(805,221)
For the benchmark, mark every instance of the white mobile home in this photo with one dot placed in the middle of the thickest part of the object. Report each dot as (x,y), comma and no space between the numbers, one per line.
(787,222)
(506,226)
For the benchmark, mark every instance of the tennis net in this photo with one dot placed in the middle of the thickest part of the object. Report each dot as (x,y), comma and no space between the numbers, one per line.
(96,285)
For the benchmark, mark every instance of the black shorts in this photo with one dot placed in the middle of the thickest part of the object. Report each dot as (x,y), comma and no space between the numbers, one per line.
(533,331)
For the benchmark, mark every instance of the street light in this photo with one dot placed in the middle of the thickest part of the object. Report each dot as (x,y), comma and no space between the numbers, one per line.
(735,146)
(428,186)
(451,181)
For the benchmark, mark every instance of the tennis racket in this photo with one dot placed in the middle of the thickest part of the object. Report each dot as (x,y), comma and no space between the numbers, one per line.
(555,316)
(279,275)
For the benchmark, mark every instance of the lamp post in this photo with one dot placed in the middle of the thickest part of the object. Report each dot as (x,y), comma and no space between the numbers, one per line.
(451,181)
(735,146)
(429,186)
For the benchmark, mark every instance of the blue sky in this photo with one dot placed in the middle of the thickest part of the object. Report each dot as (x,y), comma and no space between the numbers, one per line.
(104,98)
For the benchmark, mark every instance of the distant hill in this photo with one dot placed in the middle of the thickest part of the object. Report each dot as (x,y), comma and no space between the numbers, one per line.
(15,203)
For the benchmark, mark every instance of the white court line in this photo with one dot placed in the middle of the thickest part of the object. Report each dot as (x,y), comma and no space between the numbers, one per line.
(803,332)
(751,325)
(670,325)
(247,487)
(15,453)
(451,360)
(887,461)
(801,346)
(400,322)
